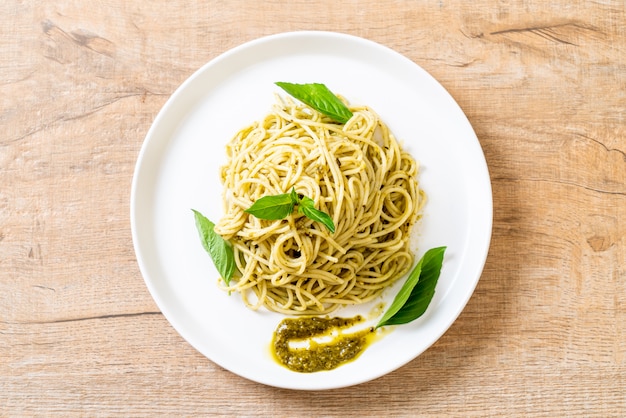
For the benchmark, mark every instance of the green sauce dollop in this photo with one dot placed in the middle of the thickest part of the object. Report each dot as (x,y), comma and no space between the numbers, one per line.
(313,356)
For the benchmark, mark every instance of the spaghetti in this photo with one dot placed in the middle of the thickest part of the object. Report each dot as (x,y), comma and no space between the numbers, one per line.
(356,172)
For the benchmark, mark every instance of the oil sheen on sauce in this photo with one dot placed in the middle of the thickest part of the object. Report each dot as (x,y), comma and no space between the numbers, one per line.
(312,344)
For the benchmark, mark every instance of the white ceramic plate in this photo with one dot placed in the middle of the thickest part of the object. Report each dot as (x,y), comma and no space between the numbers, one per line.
(178,166)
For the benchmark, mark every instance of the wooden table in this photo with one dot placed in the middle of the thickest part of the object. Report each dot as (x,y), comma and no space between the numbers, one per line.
(543,84)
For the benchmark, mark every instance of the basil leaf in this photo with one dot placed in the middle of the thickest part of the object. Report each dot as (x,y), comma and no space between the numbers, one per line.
(306,206)
(272,208)
(320,98)
(218,248)
(417,292)
(279,206)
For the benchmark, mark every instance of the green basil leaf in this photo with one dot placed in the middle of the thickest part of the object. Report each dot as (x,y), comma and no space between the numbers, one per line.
(320,98)
(280,206)
(306,206)
(417,292)
(272,208)
(218,248)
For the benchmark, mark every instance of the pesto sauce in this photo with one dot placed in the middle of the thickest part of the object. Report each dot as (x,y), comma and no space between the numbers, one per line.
(314,356)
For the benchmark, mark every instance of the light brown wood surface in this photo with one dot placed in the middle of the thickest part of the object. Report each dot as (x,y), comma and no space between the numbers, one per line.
(543,84)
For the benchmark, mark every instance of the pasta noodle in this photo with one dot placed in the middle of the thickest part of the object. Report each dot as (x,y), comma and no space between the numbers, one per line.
(357,173)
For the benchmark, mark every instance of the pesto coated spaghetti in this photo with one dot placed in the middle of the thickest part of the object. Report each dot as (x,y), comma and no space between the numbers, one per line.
(355,172)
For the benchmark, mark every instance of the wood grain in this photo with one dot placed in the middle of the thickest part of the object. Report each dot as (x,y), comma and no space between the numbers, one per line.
(544,86)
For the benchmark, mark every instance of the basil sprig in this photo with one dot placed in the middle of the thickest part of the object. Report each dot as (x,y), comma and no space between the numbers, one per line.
(279,206)
(415,295)
(219,249)
(320,98)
